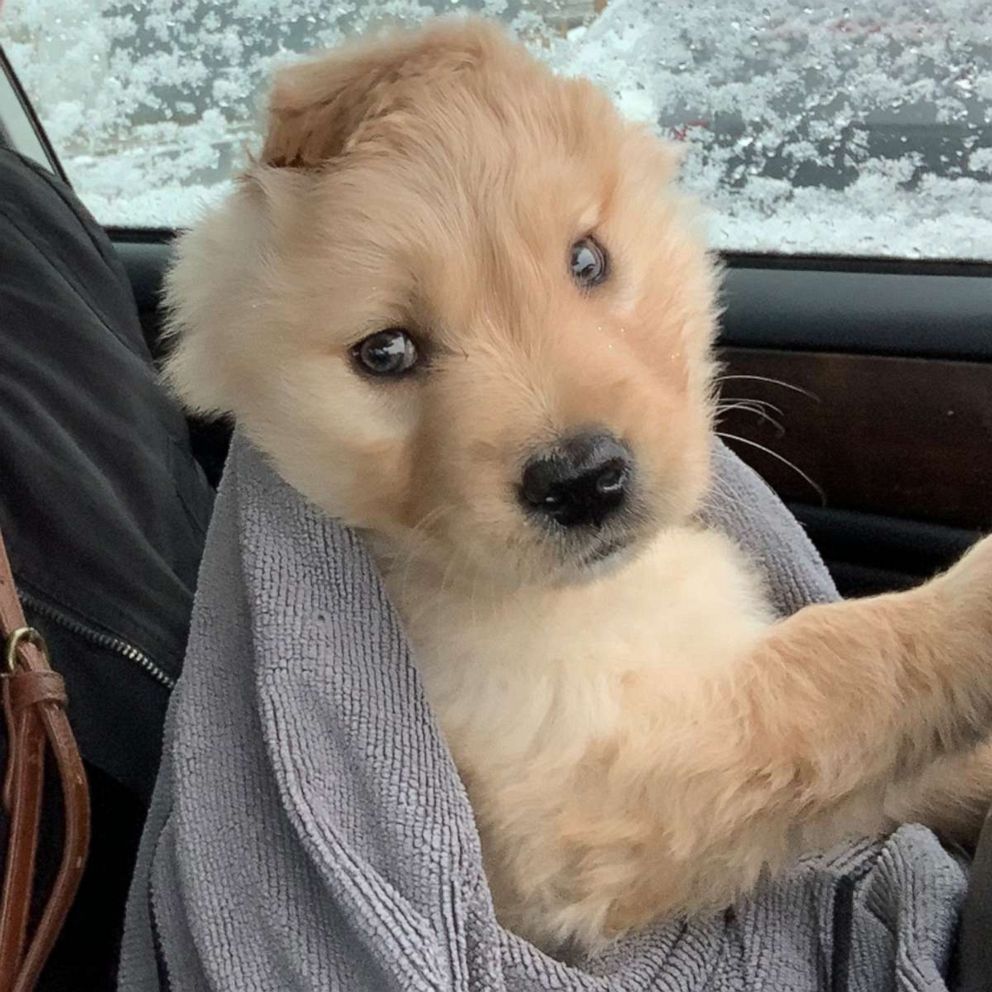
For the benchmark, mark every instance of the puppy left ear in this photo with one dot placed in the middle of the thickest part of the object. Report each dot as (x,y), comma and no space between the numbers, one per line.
(318,109)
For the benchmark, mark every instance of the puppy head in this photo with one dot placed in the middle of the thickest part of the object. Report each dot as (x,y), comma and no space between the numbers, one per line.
(459,305)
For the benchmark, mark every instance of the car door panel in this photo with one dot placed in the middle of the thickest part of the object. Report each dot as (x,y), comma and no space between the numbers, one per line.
(884,397)
(901,437)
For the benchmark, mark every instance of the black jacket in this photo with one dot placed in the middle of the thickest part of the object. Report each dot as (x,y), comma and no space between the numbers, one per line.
(102,504)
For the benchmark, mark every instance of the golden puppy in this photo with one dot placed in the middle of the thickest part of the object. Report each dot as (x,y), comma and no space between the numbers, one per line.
(461,307)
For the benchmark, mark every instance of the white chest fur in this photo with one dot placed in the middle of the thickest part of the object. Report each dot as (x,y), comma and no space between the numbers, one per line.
(537,690)
(545,669)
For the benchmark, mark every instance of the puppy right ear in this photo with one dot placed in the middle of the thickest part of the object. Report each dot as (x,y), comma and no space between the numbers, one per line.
(318,109)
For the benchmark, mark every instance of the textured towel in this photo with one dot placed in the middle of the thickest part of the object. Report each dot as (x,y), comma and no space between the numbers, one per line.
(309,830)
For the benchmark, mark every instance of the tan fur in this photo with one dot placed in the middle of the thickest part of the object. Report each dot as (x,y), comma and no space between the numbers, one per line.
(637,741)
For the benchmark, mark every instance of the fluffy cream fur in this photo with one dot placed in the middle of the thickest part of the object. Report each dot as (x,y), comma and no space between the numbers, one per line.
(638,740)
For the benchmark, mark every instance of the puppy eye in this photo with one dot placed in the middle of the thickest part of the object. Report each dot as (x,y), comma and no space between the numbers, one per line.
(588,262)
(386,353)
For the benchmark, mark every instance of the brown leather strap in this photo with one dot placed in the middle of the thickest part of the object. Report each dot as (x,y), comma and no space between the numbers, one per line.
(22,798)
(27,689)
(34,710)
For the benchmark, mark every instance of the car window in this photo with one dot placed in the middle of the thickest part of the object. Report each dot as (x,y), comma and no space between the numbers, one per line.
(826,129)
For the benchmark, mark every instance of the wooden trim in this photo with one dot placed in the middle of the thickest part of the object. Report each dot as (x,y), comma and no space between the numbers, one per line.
(901,437)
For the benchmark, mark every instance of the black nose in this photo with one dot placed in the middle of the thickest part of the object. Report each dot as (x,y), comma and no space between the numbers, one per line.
(581,480)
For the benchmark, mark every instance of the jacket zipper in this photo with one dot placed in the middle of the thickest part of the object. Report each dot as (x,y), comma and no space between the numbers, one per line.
(106,641)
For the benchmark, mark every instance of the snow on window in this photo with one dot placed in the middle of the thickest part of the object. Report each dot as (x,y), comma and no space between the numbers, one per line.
(857,130)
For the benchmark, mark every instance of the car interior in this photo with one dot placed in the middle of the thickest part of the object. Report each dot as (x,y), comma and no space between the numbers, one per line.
(859,387)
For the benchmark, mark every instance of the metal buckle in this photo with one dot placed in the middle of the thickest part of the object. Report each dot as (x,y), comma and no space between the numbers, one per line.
(20,636)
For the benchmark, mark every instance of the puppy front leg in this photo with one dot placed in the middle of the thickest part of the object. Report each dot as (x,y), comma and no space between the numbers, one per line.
(842,700)
(795,746)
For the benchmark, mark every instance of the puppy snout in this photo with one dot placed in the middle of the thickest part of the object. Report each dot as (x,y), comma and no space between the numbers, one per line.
(579,481)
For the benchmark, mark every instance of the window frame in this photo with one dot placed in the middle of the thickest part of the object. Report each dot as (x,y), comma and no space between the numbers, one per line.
(20,127)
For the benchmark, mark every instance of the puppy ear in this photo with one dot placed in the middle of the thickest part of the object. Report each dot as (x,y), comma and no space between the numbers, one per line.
(316,106)
(319,108)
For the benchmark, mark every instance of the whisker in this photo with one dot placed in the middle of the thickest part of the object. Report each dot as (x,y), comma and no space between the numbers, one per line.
(781,458)
(752,399)
(757,411)
(430,604)
(719,496)
(774,382)
(418,539)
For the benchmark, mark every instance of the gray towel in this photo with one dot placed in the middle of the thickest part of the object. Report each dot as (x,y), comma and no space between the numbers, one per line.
(309,830)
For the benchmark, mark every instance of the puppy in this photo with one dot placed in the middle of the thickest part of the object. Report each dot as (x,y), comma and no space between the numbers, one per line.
(460,305)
